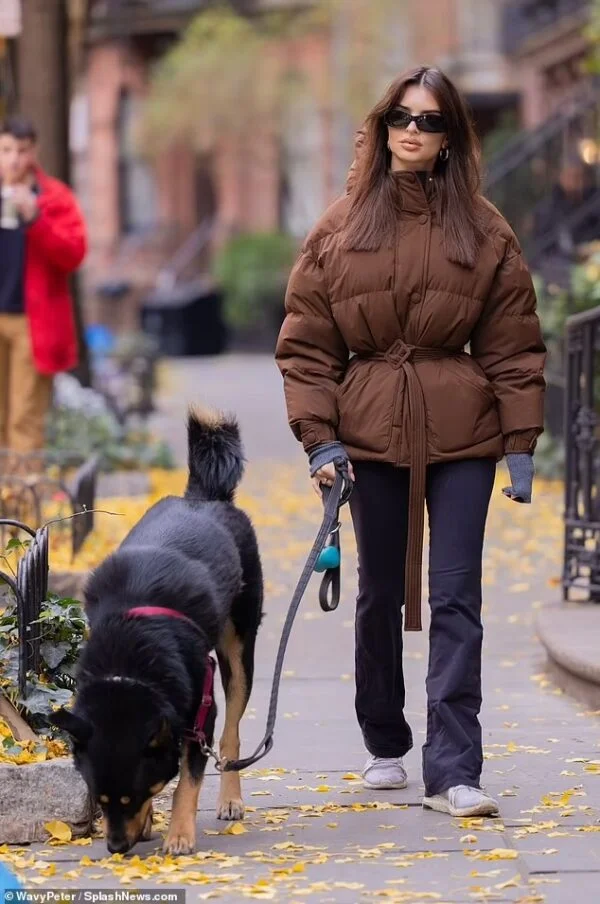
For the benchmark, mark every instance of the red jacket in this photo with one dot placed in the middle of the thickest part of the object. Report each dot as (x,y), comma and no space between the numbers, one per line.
(55,246)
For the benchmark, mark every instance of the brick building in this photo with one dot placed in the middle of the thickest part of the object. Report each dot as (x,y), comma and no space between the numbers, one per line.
(523,57)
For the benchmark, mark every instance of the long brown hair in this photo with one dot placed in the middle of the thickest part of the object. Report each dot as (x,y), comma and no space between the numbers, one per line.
(375,203)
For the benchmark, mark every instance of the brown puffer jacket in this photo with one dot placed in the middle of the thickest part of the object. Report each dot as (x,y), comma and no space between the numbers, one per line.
(372,351)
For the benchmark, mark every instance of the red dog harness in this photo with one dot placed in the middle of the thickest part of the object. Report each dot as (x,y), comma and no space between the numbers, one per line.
(196,734)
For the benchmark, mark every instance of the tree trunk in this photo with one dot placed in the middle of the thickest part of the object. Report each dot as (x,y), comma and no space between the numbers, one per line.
(44,95)
(43,79)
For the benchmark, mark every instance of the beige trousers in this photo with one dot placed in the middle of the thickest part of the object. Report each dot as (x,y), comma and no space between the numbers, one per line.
(25,394)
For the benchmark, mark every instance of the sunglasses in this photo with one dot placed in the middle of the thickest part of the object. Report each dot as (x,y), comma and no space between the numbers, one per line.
(425,122)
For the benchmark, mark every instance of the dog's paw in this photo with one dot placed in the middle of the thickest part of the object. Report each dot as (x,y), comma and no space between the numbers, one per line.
(179,844)
(230,809)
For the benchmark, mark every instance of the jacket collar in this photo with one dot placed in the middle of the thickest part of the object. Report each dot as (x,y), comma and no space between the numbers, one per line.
(414,198)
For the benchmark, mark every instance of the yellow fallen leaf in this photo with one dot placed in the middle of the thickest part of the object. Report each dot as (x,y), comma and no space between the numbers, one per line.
(557,801)
(468,839)
(49,870)
(494,854)
(323,789)
(510,883)
(235,828)
(490,874)
(59,831)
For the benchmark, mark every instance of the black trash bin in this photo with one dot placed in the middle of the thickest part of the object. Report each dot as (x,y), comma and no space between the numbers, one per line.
(186,320)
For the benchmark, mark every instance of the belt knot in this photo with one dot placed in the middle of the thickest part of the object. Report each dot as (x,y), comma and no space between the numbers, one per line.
(399,353)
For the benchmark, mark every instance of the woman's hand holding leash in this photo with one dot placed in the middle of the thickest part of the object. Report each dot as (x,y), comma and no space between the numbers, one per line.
(322,462)
(325,477)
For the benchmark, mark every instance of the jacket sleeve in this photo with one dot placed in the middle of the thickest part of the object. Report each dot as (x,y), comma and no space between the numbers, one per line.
(311,354)
(507,343)
(58,233)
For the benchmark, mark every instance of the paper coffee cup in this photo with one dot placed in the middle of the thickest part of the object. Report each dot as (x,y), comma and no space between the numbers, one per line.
(9,217)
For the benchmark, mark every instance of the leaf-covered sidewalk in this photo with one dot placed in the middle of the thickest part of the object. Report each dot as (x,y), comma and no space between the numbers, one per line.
(312,833)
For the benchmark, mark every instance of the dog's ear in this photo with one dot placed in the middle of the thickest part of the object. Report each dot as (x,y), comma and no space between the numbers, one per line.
(161,737)
(80,730)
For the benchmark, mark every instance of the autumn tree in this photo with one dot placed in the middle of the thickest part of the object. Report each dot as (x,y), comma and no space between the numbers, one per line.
(230,72)
(594,36)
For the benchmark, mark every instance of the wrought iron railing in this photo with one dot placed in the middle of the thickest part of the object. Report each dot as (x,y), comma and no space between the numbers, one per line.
(546,242)
(526,171)
(30,588)
(581,569)
(29,482)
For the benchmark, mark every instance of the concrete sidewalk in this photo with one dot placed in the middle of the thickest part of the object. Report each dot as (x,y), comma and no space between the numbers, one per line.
(312,832)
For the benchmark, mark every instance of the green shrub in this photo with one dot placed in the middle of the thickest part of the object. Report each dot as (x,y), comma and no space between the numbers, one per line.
(81,424)
(253,270)
(63,628)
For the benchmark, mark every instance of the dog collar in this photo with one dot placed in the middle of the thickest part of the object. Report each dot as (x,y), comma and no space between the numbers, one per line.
(197,734)
(141,611)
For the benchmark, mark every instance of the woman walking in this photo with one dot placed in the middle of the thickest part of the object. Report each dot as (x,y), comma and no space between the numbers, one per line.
(397,278)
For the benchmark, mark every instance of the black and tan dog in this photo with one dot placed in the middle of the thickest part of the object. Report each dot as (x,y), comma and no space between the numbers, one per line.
(186,580)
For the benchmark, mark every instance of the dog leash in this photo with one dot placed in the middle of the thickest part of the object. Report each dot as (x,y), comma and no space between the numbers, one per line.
(334,499)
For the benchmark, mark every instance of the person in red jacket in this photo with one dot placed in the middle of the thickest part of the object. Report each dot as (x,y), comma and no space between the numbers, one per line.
(42,241)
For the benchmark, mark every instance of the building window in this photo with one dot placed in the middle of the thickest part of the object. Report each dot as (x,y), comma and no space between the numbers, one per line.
(137,190)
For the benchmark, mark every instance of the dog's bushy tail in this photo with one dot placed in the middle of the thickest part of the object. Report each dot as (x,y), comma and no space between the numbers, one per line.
(215,456)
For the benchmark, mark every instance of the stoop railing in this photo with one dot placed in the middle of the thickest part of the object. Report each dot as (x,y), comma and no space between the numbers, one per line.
(581,566)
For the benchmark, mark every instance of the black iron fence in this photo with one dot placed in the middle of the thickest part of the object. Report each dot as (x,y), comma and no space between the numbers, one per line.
(32,481)
(522,178)
(30,588)
(581,571)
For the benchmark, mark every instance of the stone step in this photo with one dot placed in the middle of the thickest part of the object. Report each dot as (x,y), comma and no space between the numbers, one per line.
(569,633)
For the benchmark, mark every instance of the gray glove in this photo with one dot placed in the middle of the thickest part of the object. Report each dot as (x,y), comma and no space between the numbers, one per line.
(521,470)
(324,455)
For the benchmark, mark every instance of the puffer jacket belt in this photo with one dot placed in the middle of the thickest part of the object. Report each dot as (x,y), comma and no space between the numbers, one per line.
(400,355)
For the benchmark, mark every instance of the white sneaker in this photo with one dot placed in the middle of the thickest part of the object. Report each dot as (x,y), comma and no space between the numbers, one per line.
(461,800)
(383,773)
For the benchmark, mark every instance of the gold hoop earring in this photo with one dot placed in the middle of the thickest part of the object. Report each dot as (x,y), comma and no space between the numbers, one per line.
(444,154)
